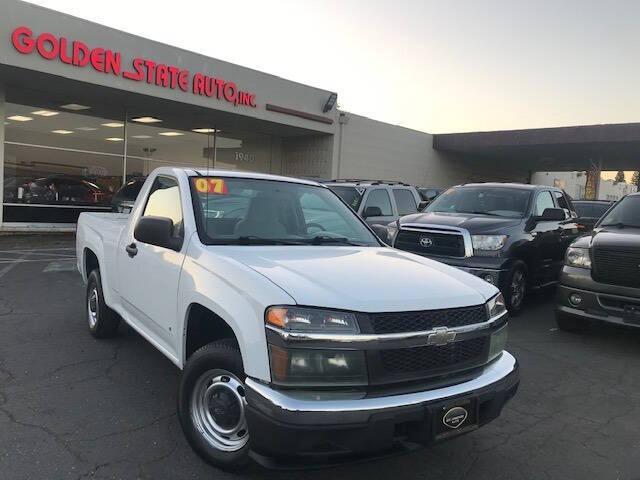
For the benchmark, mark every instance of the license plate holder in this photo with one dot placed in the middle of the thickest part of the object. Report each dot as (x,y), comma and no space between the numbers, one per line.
(455,418)
(631,314)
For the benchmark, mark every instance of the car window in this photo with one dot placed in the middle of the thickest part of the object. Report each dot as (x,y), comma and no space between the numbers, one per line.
(584,210)
(544,200)
(405,201)
(496,201)
(599,209)
(164,201)
(564,202)
(246,211)
(352,196)
(379,197)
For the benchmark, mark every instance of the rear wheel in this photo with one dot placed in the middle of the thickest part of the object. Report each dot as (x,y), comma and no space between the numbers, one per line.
(212,405)
(569,323)
(516,288)
(103,322)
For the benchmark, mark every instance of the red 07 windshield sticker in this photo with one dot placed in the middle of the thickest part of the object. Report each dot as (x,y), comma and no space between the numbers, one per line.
(216,186)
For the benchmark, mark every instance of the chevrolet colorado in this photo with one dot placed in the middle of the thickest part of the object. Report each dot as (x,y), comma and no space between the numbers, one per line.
(299,333)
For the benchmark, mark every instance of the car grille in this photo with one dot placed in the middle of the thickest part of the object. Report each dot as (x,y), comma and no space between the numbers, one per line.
(617,266)
(398,322)
(430,359)
(447,244)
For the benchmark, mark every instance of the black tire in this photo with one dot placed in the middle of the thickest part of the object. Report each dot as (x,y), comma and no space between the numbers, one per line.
(569,323)
(514,295)
(207,368)
(103,322)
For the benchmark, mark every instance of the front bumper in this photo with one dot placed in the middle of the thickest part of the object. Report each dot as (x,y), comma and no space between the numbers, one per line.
(599,301)
(287,424)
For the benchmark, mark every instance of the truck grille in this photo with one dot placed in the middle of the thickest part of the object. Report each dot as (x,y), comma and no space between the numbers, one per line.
(617,266)
(447,244)
(429,359)
(398,322)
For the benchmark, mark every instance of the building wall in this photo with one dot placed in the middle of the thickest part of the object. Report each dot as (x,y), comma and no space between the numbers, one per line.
(308,156)
(375,150)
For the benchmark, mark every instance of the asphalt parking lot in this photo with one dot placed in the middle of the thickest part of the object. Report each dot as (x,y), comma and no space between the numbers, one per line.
(72,407)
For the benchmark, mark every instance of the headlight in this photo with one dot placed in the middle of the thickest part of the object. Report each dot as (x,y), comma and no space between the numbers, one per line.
(496,306)
(578,257)
(489,243)
(498,343)
(392,232)
(296,319)
(317,368)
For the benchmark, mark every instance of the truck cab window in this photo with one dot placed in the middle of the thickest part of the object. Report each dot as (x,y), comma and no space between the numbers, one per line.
(544,200)
(164,201)
(405,201)
(379,198)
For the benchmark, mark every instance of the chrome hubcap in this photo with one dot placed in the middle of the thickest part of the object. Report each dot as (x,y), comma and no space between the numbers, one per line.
(218,410)
(517,288)
(92,307)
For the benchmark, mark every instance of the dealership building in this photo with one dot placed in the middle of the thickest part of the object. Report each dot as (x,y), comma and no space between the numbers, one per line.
(87,108)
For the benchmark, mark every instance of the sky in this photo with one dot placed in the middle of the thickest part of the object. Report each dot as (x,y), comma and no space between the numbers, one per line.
(435,66)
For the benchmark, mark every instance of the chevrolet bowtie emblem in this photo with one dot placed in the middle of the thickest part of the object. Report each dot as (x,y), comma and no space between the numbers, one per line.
(441,336)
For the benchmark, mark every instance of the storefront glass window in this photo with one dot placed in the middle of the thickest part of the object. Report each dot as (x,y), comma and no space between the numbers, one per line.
(59,162)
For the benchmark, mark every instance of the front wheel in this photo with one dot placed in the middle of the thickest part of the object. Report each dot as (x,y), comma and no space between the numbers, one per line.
(516,289)
(212,405)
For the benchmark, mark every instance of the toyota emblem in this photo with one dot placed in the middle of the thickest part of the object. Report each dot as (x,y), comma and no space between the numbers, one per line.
(426,242)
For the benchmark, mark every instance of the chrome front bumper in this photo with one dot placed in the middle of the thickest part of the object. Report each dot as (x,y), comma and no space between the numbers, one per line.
(298,409)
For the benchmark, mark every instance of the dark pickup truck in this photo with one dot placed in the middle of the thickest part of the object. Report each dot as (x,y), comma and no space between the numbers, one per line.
(512,235)
(601,277)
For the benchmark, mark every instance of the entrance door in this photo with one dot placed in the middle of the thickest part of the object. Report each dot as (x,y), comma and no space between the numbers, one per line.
(149,278)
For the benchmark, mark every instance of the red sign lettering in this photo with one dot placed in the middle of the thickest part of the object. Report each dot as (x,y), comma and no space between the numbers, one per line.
(103,60)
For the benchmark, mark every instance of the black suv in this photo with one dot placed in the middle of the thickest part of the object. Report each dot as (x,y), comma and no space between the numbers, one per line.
(601,277)
(511,235)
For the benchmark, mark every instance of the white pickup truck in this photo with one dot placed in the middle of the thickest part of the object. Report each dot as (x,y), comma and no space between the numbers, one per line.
(299,333)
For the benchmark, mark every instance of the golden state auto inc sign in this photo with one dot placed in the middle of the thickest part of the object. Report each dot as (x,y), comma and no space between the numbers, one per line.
(78,54)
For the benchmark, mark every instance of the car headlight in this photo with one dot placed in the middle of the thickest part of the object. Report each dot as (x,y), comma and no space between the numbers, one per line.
(311,320)
(497,343)
(578,257)
(496,306)
(488,243)
(392,232)
(317,368)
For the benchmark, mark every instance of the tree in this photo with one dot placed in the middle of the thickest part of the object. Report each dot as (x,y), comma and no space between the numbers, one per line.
(635,180)
(619,177)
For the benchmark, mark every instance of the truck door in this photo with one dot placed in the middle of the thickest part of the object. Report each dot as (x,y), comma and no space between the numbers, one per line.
(545,240)
(376,208)
(568,229)
(149,274)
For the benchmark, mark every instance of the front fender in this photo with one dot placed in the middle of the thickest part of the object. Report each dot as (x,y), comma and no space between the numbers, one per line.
(235,293)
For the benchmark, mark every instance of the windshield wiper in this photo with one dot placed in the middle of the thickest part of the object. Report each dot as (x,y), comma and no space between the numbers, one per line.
(324,239)
(254,240)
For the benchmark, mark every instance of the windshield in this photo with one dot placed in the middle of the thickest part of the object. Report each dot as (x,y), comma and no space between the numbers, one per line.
(352,196)
(626,213)
(243,211)
(496,201)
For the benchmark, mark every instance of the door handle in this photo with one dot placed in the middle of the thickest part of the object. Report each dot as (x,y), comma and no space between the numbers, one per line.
(132,250)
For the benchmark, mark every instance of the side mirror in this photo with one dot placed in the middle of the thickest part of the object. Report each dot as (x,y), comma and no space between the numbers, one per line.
(552,215)
(381,231)
(157,231)
(422,205)
(372,212)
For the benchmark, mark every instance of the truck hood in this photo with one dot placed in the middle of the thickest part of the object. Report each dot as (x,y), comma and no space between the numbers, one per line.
(473,223)
(610,236)
(365,279)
